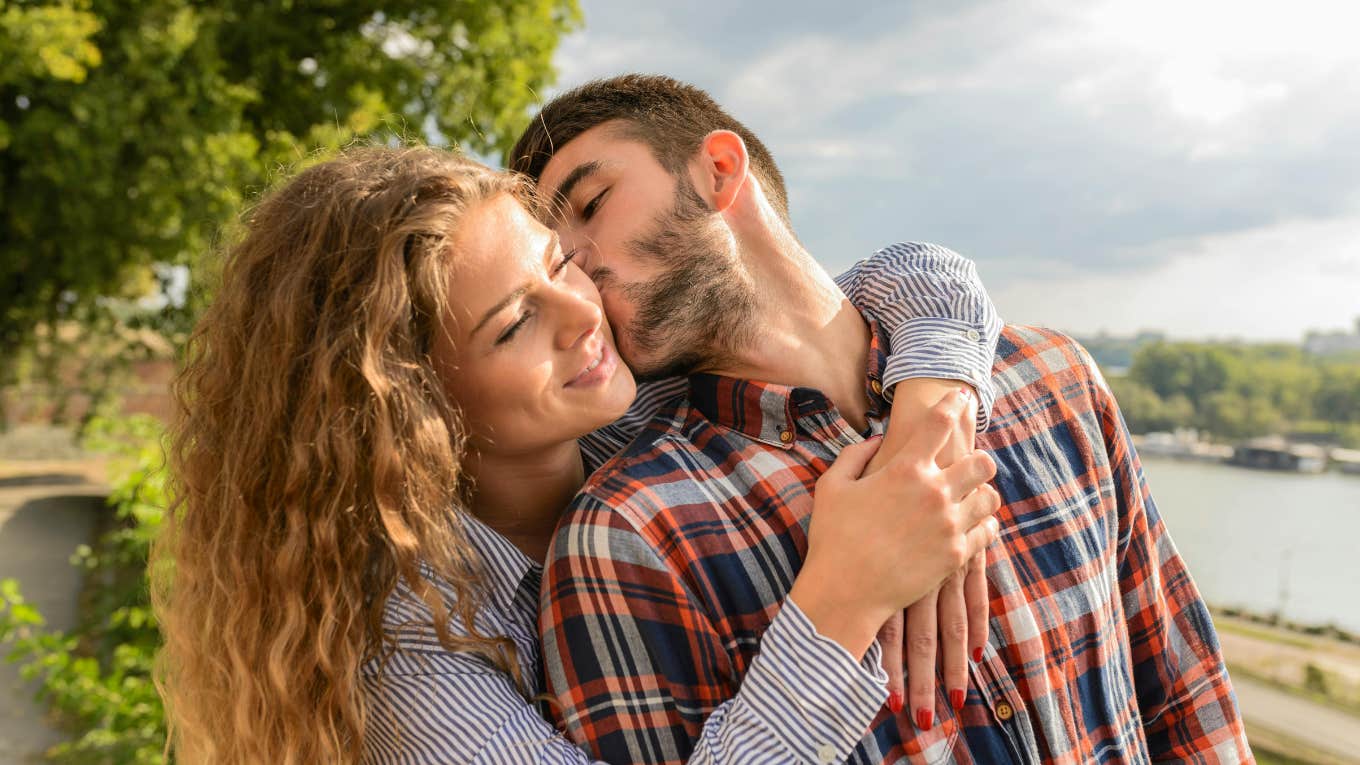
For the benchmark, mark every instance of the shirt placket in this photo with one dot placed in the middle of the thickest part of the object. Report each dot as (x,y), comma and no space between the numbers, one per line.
(1003,702)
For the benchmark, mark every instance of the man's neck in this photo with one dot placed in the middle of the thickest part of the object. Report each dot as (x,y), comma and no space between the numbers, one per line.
(806,333)
(522,496)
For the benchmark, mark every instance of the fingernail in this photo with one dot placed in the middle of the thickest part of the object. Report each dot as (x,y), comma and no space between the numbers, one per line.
(956,699)
(895,702)
(924,719)
(977,655)
(965,393)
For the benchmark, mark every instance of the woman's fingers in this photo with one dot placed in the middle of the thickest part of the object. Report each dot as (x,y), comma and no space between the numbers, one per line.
(953,617)
(981,536)
(852,460)
(890,639)
(921,641)
(979,506)
(975,592)
(968,473)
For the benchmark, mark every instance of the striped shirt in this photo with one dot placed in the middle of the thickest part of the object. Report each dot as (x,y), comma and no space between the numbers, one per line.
(672,561)
(803,698)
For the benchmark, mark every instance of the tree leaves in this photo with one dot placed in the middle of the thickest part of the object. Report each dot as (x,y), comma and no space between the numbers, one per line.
(130,132)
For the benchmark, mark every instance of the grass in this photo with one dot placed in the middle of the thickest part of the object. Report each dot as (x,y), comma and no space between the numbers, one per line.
(1272,747)
(1341,705)
(1264,633)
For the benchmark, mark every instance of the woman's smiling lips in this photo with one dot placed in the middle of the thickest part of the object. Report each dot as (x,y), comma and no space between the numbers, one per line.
(598,371)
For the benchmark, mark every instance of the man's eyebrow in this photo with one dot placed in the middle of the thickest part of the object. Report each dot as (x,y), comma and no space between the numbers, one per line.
(578,174)
(516,294)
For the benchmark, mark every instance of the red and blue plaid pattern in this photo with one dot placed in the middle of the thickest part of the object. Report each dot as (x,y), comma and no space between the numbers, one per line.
(676,555)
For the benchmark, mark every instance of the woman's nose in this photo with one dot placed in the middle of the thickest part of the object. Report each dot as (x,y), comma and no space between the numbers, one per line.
(581,318)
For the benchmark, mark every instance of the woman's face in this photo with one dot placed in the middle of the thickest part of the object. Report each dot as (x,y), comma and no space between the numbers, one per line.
(531,360)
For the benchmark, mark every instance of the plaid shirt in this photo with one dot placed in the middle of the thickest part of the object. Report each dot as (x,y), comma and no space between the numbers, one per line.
(674,558)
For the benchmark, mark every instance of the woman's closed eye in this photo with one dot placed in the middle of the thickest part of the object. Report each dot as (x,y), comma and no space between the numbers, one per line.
(514,329)
(558,269)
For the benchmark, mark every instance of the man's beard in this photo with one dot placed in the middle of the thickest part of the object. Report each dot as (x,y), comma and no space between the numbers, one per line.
(699,309)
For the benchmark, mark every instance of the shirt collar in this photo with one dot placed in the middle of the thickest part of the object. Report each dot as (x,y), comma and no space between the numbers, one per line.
(769,412)
(508,569)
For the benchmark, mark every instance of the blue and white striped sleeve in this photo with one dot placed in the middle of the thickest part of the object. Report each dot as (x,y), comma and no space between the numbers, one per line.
(804,698)
(932,304)
(452,707)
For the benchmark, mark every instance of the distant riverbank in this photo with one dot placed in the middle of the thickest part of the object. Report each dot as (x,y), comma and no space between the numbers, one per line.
(1266,543)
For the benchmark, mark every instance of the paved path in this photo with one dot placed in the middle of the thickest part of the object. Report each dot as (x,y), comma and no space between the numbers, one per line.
(1321,727)
(44,515)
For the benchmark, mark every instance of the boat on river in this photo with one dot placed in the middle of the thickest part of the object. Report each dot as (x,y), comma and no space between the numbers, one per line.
(1347,460)
(1274,453)
(1183,444)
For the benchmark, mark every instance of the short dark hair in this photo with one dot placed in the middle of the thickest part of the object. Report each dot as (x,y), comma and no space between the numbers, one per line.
(670,116)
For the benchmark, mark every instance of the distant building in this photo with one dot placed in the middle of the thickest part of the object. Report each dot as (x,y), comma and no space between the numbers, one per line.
(1333,343)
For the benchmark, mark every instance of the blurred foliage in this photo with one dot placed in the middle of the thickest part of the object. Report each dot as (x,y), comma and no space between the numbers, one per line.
(1241,391)
(97,677)
(132,130)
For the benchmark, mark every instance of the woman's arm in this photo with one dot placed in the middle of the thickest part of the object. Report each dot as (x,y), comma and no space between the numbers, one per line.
(930,301)
(943,329)
(804,697)
(941,322)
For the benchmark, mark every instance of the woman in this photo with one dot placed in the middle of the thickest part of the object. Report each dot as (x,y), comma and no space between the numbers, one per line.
(325,540)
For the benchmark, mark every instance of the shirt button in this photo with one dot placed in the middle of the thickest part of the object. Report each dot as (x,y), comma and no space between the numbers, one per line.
(786,436)
(973,335)
(876,385)
(826,754)
(1004,711)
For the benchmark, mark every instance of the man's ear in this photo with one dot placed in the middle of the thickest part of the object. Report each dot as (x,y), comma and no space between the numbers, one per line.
(724,164)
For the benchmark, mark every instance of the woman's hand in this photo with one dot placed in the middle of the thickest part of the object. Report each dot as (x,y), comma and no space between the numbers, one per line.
(951,623)
(880,542)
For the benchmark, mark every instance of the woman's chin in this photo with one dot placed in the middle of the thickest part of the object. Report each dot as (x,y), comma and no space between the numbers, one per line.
(614,400)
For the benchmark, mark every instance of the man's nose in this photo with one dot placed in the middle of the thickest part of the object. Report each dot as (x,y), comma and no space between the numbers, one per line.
(587,255)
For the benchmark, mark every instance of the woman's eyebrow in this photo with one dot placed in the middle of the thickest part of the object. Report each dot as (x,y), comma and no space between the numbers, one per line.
(517,293)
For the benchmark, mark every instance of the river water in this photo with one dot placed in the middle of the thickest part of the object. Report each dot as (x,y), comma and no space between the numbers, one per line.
(1265,541)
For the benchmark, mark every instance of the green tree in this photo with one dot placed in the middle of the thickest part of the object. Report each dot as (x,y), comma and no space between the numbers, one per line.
(1192,370)
(1145,411)
(1338,394)
(131,130)
(1230,414)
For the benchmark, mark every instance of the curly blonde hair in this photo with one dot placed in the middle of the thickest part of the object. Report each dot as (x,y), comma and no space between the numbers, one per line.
(315,459)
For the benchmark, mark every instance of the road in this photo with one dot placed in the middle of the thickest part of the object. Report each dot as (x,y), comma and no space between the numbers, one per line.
(43,517)
(1320,727)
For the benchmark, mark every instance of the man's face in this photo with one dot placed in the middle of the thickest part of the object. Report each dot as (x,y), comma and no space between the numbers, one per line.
(664,263)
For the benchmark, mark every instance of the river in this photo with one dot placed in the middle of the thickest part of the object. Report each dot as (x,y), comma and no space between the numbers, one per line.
(1265,541)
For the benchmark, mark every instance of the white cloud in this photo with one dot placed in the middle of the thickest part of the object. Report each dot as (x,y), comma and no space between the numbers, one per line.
(1275,281)
(1112,146)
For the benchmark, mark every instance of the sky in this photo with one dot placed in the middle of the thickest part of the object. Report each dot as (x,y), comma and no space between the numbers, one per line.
(1191,167)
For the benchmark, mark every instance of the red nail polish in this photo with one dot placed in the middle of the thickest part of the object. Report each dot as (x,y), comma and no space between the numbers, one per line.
(924,719)
(977,655)
(956,699)
(895,702)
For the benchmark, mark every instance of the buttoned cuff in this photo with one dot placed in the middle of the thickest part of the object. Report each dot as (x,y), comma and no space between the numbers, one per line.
(810,691)
(948,349)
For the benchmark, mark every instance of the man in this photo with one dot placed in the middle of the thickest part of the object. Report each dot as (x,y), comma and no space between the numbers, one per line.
(669,564)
